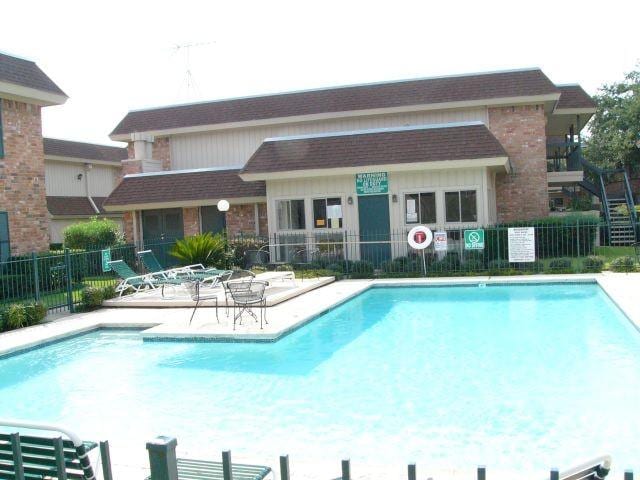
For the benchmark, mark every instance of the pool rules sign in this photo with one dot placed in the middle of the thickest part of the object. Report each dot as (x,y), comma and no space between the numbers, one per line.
(522,244)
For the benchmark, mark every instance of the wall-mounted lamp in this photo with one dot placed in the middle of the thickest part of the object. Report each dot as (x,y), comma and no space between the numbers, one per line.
(79,177)
(350,200)
(394,198)
(223,205)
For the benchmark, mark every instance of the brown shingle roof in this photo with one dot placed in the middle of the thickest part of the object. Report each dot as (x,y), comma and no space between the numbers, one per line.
(183,187)
(377,147)
(69,206)
(26,73)
(87,151)
(574,96)
(359,97)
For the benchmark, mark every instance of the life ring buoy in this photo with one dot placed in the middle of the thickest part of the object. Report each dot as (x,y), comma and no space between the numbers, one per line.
(420,237)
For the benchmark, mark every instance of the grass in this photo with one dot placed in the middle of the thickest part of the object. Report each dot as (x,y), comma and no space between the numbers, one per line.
(609,253)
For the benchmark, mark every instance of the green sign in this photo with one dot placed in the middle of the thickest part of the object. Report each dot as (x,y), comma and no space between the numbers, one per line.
(372,183)
(474,239)
(106,258)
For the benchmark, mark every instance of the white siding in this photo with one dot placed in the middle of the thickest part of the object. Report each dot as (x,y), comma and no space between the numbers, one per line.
(400,183)
(233,147)
(61,179)
(102,180)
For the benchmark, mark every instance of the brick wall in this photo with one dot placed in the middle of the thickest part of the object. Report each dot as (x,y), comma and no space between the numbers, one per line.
(127,226)
(241,219)
(22,186)
(263,223)
(521,131)
(161,150)
(191,221)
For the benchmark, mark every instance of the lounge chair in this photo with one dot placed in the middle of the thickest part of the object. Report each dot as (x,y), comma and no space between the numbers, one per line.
(596,469)
(26,457)
(164,464)
(130,280)
(193,272)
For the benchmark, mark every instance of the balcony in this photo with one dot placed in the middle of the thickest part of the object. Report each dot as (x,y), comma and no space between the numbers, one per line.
(563,164)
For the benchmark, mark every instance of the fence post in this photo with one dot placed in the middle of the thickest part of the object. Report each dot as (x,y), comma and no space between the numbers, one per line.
(411,471)
(36,275)
(628,475)
(67,265)
(482,472)
(578,235)
(284,467)
(346,470)
(226,465)
(162,458)
(555,475)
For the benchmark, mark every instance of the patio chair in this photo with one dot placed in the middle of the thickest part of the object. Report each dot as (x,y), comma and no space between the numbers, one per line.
(247,295)
(195,291)
(36,457)
(596,469)
(235,276)
(130,280)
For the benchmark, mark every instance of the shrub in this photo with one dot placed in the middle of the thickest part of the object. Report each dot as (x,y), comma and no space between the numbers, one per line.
(15,316)
(91,298)
(35,312)
(108,292)
(473,261)
(237,251)
(207,249)
(592,264)
(93,234)
(623,264)
(402,265)
(360,269)
(555,236)
(450,263)
(560,265)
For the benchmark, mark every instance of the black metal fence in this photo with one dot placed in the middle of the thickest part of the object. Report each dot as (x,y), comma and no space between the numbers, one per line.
(558,247)
(56,278)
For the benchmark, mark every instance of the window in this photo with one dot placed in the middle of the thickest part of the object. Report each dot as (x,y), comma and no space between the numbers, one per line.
(290,214)
(327,213)
(420,207)
(461,206)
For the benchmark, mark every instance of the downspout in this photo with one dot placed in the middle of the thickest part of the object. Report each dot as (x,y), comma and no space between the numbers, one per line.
(87,188)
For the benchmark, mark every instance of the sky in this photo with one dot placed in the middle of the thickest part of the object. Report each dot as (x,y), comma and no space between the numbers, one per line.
(112,57)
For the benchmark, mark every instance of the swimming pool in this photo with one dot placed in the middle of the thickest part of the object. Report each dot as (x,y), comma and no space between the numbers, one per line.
(515,377)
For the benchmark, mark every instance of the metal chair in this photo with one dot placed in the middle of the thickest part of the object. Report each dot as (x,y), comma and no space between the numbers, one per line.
(246,295)
(195,291)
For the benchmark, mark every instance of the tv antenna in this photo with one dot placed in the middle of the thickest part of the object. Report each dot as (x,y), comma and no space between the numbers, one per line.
(186,49)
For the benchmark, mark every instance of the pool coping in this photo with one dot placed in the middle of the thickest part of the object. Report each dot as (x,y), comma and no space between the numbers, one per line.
(619,287)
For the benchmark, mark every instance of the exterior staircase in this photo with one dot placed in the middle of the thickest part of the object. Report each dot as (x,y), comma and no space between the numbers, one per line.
(621,225)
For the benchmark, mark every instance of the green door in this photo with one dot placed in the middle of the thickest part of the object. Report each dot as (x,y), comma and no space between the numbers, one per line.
(162,225)
(213,220)
(373,214)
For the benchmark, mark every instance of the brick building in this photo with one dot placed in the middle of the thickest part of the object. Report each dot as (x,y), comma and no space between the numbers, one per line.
(24,90)
(448,152)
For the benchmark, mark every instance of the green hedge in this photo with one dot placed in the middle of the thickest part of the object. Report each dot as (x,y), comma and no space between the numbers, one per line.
(19,315)
(568,236)
(94,234)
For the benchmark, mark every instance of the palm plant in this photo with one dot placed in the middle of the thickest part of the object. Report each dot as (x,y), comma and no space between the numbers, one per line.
(207,249)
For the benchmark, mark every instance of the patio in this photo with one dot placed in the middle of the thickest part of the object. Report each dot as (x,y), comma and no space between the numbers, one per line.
(278,290)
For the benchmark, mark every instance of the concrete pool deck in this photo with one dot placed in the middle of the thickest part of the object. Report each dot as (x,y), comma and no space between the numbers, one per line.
(283,318)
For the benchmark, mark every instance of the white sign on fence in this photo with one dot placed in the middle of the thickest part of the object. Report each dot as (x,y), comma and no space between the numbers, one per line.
(522,244)
(440,241)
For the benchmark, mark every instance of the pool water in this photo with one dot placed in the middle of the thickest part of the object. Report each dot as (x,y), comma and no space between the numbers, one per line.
(516,377)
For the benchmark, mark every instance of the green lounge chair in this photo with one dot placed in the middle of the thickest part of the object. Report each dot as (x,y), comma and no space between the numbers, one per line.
(192,272)
(130,280)
(30,457)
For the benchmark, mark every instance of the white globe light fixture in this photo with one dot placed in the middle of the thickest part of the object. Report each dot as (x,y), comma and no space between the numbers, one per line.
(223,205)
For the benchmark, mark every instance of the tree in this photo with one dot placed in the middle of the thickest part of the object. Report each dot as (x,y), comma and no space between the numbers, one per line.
(614,140)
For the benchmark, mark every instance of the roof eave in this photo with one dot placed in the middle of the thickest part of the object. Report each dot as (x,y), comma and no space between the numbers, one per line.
(548,99)
(59,158)
(500,163)
(12,91)
(182,203)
